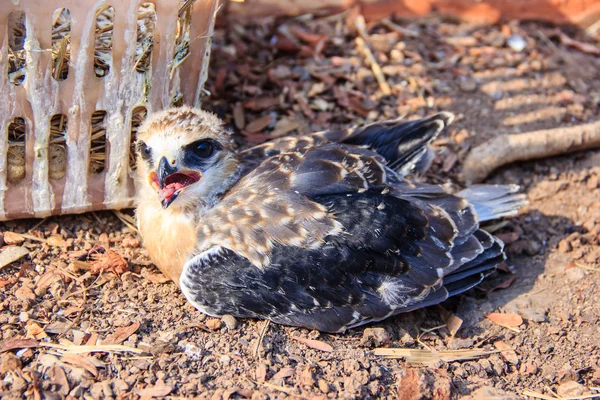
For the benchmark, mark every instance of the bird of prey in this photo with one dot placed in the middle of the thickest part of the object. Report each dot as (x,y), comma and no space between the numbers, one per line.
(322,231)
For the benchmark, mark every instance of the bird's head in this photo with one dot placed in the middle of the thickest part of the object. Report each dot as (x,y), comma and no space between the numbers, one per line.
(185,157)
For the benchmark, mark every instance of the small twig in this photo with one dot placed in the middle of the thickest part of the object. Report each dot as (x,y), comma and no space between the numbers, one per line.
(501,150)
(40,223)
(579,265)
(126,219)
(544,397)
(366,51)
(397,28)
(260,339)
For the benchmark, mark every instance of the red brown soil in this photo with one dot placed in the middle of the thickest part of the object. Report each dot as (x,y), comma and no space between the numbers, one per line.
(297,76)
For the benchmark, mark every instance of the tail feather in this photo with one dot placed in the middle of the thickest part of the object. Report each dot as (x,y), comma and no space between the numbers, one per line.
(494,201)
(404,144)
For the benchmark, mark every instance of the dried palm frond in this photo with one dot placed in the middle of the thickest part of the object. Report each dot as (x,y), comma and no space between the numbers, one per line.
(57,150)
(61,43)
(98,142)
(16,151)
(137,117)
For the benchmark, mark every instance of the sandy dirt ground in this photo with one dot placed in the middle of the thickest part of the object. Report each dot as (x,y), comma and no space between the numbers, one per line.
(68,329)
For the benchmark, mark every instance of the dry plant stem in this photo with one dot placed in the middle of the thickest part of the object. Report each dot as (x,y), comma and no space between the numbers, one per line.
(485,158)
(364,49)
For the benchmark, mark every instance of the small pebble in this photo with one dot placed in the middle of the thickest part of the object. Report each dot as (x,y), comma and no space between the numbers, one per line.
(230,322)
(516,42)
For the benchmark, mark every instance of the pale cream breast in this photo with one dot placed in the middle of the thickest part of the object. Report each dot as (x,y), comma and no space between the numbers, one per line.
(169,237)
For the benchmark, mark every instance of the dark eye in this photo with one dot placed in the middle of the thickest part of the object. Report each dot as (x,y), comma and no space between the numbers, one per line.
(203,149)
(145,151)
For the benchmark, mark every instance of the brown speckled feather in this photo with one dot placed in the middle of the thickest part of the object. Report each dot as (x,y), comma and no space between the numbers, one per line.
(272,205)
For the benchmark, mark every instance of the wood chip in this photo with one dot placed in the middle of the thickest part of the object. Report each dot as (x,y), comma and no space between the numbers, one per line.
(13,238)
(34,331)
(505,319)
(423,356)
(121,334)
(11,254)
(56,241)
(284,372)
(59,378)
(314,344)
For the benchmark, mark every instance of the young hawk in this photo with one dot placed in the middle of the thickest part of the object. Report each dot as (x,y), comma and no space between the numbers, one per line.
(321,231)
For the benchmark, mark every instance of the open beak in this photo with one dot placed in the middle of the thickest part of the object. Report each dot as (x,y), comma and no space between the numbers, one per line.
(169,182)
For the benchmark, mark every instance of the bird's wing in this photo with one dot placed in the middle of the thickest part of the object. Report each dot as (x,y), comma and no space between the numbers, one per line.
(274,203)
(403,144)
(392,255)
(320,239)
(253,156)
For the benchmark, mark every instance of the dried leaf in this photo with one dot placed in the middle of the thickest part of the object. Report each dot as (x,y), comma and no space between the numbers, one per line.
(504,284)
(453,323)
(80,361)
(259,124)
(16,343)
(71,310)
(46,280)
(239,118)
(508,237)
(157,278)
(314,344)
(121,334)
(108,261)
(449,161)
(581,46)
(58,327)
(312,39)
(262,103)
(507,352)
(261,372)
(285,372)
(357,107)
(13,238)
(34,331)
(11,254)
(158,390)
(285,126)
(505,319)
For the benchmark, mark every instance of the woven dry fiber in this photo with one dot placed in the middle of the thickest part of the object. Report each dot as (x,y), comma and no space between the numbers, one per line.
(65,129)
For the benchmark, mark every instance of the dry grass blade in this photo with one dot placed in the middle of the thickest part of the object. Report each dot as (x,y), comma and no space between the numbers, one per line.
(100,348)
(422,356)
(537,395)
(579,265)
(126,219)
(366,52)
